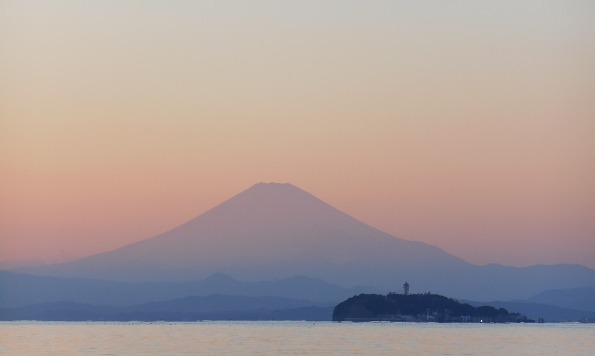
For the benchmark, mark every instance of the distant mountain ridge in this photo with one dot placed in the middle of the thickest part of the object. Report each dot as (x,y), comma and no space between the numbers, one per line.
(576,298)
(191,308)
(17,290)
(548,312)
(226,307)
(274,231)
(41,298)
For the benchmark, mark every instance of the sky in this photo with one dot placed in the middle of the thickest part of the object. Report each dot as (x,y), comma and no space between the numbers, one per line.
(469,125)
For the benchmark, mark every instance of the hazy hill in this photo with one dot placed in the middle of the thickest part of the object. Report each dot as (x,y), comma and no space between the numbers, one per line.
(273,231)
(21,290)
(549,313)
(576,298)
(212,307)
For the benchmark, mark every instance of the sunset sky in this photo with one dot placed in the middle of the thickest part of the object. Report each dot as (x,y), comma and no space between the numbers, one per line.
(469,125)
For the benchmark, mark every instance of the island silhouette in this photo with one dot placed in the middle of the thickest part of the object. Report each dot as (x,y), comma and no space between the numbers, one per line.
(426,307)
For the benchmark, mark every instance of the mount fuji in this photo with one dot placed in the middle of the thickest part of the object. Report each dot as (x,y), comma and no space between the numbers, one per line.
(273,231)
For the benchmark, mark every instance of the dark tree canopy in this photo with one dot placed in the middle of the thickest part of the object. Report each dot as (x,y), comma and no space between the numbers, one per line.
(418,307)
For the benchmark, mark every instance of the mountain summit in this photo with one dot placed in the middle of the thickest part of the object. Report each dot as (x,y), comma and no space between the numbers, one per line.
(272,231)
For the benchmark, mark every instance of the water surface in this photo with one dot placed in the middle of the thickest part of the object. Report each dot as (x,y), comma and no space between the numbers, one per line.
(294,338)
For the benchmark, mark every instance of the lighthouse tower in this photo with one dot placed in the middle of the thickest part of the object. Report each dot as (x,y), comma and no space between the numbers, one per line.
(406,288)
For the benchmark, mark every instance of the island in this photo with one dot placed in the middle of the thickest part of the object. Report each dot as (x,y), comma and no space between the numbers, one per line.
(419,308)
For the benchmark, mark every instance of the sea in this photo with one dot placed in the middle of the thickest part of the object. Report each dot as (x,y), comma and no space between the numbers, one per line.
(293,338)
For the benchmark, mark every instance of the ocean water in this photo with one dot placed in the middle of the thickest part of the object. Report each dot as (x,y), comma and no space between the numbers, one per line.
(294,338)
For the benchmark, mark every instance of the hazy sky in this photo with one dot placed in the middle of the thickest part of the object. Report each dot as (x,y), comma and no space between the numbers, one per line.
(469,125)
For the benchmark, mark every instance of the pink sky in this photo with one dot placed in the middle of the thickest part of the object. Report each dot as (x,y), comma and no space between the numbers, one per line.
(468,126)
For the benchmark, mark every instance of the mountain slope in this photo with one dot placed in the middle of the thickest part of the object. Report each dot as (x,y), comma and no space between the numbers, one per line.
(268,231)
(273,231)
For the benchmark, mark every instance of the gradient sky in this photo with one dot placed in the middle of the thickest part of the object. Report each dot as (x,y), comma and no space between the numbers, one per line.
(469,125)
